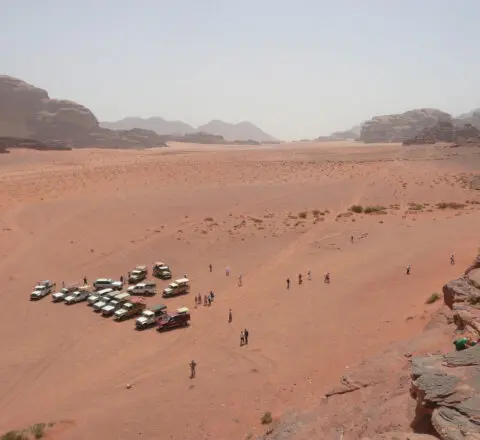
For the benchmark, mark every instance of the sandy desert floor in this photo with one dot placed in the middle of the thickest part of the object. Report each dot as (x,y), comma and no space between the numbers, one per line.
(268,213)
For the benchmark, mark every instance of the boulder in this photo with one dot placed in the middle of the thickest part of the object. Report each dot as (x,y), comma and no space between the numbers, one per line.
(460,290)
(28,113)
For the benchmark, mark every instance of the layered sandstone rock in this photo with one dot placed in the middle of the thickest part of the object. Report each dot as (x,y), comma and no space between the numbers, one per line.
(399,127)
(444,131)
(28,112)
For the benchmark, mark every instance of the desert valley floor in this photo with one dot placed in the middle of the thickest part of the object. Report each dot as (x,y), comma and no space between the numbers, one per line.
(267,212)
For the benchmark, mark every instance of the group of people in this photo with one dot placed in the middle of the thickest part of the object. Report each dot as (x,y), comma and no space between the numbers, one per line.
(326,279)
(207,299)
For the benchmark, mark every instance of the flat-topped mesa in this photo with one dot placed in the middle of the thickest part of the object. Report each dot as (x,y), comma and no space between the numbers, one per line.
(28,112)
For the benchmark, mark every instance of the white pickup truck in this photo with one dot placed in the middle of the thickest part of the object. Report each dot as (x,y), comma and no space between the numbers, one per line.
(76,297)
(42,289)
(98,296)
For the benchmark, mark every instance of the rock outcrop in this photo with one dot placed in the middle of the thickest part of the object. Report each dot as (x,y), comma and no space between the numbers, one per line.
(399,127)
(444,131)
(28,112)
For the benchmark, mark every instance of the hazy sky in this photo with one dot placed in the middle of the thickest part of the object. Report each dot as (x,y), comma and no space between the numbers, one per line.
(294,68)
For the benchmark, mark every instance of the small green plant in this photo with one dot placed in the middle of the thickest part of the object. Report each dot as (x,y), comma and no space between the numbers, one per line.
(433,298)
(266,419)
(302,214)
(374,209)
(356,208)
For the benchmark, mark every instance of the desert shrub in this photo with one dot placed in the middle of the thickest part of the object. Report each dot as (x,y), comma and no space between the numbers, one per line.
(450,205)
(14,435)
(432,298)
(373,209)
(303,214)
(317,212)
(266,419)
(415,206)
(38,430)
(356,208)
(209,219)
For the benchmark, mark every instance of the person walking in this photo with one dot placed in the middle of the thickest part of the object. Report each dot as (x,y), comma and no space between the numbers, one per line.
(288,283)
(309,275)
(300,280)
(205,300)
(85,281)
(193,369)
(408,269)
(227,271)
(327,278)
(210,267)
(245,335)
(121,279)
(240,280)
(63,284)
(351,239)
(452,259)
(242,338)
(230,315)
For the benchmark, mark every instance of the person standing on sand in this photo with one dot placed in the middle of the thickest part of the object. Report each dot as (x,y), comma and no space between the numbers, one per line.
(205,300)
(288,283)
(300,280)
(408,269)
(452,259)
(193,369)
(210,267)
(199,299)
(327,278)
(240,280)
(85,281)
(121,279)
(351,239)
(227,271)
(245,335)
(242,338)
(63,284)
(309,275)
(230,316)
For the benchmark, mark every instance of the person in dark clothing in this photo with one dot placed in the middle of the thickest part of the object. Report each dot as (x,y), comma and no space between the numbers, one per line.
(408,269)
(210,267)
(327,278)
(245,333)
(85,281)
(300,280)
(193,369)
(121,278)
(242,338)
(230,316)
(288,283)
(205,300)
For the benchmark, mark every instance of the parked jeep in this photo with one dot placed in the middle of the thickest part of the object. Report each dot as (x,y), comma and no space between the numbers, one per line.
(129,310)
(138,274)
(148,288)
(148,318)
(169,322)
(42,289)
(103,283)
(178,287)
(162,271)
(77,296)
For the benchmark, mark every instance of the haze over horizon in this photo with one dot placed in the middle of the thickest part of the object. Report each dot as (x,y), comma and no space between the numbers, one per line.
(296,70)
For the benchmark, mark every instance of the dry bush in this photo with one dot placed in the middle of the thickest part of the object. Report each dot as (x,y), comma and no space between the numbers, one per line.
(356,208)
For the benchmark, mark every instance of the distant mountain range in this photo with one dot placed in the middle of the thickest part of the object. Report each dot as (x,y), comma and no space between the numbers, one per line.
(242,131)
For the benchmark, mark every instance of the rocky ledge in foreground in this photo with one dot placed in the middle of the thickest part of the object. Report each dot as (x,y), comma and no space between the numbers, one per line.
(420,389)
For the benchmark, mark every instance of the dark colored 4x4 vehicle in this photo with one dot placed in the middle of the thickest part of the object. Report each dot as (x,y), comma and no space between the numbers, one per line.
(168,322)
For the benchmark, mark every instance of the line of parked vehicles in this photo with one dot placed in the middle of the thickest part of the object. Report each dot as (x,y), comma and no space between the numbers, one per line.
(108,297)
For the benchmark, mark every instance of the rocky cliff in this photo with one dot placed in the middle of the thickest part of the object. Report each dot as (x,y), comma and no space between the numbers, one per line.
(417,389)
(444,131)
(28,112)
(399,127)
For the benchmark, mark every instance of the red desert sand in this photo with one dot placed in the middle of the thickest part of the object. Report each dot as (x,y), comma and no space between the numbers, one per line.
(268,213)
